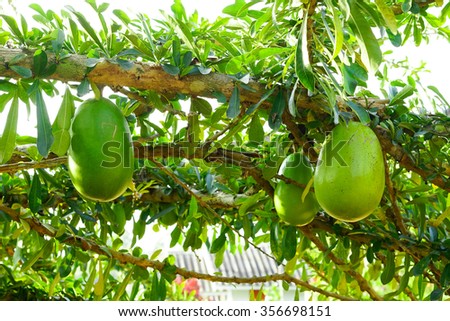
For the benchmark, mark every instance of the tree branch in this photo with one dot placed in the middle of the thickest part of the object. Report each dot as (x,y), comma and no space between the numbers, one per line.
(125,258)
(400,155)
(143,76)
(398,220)
(397,8)
(362,282)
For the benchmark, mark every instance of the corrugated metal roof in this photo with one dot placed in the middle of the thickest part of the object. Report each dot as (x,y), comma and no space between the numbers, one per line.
(242,264)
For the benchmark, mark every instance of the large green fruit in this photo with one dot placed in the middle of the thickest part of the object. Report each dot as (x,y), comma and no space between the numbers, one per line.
(288,197)
(349,178)
(100,156)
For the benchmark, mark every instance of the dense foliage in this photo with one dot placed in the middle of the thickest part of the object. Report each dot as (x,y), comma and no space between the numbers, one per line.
(214,107)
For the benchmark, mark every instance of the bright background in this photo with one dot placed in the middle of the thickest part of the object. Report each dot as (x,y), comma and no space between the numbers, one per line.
(435,54)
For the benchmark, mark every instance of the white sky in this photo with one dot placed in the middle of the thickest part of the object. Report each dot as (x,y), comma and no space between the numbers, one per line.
(436,54)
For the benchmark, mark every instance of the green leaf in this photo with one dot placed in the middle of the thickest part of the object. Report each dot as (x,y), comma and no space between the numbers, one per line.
(303,67)
(4,99)
(389,268)
(218,243)
(234,103)
(44,128)
(436,295)
(292,105)
(48,245)
(289,242)
(338,31)
(178,10)
(421,266)
(34,196)
(87,26)
(8,138)
(361,112)
(275,236)
(17,58)
(234,10)
(61,125)
(402,95)
(40,61)
(437,92)
(264,97)
(175,236)
(370,49)
(202,106)
(256,130)
(277,111)
(445,276)
(22,71)
(193,207)
(171,70)
(83,88)
(388,15)
(14,28)
(122,286)
(122,16)
(169,272)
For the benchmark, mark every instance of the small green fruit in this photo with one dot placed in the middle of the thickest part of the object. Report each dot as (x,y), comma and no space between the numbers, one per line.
(288,197)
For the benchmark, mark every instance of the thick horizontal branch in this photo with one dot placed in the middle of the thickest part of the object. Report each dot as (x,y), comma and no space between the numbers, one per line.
(125,258)
(148,76)
(143,76)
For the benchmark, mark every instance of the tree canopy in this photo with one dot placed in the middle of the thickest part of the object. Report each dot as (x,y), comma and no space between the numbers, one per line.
(214,107)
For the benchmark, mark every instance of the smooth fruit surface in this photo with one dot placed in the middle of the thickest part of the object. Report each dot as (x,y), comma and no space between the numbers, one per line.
(288,197)
(100,156)
(349,178)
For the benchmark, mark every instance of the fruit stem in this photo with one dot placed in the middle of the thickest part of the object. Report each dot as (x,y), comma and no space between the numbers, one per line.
(97,91)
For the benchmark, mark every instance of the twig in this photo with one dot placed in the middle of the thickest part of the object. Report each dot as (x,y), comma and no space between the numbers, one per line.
(398,220)
(362,282)
(402,157)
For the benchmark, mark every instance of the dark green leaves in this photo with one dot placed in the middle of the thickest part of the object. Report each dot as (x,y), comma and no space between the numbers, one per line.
(389,268)
(34,196)
(202,106)
(8,138)
(289,242)
(218,243)
(276,112)
(39,62)
(421,265)
(21,71)
(234,103)
(303,67)
(45,136)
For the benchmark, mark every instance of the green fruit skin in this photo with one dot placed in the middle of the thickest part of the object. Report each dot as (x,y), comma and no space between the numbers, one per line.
(100,156)
(288,197)
(349,177)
